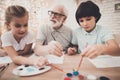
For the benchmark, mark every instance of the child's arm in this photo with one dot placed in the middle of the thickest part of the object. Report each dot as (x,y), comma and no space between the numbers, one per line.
(26,50)
(2,52)
(17,59)
(110,48)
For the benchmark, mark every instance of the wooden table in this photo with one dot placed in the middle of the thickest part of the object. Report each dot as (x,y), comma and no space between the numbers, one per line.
(70,62)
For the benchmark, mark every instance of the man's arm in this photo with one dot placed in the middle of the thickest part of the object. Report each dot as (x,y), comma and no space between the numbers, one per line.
(41,49)
(53,47)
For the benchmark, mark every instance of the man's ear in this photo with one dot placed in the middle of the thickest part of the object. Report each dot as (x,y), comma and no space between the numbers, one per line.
(64,19)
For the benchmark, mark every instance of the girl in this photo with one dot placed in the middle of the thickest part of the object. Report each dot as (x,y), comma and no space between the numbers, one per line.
(92,39)
(18,40)
(2,52)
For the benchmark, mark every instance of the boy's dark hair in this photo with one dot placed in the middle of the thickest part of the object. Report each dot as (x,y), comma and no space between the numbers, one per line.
(86,9)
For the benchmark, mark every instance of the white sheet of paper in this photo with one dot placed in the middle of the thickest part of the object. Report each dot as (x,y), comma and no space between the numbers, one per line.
(106,61)
(5,59)
(51,58)
(55,59)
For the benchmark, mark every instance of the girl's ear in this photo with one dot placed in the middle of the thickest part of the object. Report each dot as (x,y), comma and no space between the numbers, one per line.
(7,26)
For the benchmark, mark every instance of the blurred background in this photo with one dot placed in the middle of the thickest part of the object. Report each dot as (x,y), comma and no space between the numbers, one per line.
(38,12)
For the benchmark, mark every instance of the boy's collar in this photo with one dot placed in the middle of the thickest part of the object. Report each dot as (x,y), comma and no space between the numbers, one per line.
(94,31)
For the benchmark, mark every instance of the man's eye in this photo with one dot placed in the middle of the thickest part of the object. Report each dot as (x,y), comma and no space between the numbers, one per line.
(56,14)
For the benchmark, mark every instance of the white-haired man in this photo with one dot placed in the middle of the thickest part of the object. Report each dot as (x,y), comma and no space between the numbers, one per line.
(55,37)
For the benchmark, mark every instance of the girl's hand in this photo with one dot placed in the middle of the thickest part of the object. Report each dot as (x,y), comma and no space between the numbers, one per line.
(71,51)
(2,53)
(41,61)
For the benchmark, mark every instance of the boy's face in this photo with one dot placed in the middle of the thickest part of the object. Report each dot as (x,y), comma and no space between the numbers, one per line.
(19,26)
(88,23)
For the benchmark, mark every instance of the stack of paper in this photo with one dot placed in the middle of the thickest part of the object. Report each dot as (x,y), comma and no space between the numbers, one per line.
(51,58)
(106,61)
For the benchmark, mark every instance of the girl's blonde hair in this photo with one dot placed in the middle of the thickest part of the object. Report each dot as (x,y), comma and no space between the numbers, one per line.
(14,11)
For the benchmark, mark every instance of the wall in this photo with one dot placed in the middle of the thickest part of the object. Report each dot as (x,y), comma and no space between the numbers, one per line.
(111,17)
(38,12)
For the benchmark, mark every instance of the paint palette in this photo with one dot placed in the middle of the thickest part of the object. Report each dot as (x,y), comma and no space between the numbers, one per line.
(26,70)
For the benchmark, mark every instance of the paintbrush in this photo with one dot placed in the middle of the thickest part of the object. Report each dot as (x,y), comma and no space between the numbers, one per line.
(58,68)
(81,59)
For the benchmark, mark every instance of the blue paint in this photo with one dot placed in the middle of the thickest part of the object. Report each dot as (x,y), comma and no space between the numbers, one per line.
(75,73)
(30,69)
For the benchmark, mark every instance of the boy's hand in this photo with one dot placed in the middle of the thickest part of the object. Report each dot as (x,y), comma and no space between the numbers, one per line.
(71,51)
(93,51)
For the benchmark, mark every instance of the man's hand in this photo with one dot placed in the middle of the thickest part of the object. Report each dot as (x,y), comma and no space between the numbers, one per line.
(55,48)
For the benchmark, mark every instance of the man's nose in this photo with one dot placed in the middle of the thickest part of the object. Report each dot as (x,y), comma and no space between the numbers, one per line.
(52,16)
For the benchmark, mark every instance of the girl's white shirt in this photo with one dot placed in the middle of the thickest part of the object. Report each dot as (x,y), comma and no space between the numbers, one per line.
(9,40)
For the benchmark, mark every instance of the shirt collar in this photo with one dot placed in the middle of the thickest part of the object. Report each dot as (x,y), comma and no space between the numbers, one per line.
(59,30)
(92,32)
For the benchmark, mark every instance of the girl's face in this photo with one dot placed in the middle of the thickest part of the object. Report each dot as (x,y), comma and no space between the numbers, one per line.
(88,23)
(19,26)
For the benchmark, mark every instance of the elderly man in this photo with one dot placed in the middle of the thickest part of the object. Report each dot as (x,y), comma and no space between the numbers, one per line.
(55,37)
